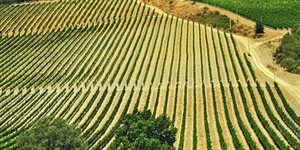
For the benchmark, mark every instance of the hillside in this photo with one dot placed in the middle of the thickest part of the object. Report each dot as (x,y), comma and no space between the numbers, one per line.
(92,62)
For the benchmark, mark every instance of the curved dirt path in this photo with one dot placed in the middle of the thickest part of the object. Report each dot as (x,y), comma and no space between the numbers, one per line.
(254,47)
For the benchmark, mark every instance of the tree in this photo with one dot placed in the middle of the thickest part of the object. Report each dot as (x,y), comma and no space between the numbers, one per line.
(259,27)
(49,135)
(141,130)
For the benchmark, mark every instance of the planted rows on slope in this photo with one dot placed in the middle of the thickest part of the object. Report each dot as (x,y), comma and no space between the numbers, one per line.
(92,75)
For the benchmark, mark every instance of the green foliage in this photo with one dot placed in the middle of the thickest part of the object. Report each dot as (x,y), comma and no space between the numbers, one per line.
(141,130)
(14,1)
(273,13)
(259,27)
(48,134)
(214,19)
(288,53)
(287,106)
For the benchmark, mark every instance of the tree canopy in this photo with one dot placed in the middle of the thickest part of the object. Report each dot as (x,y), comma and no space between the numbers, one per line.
(14,1)
(50,134)
(141,130)
(288,53)
(259,27)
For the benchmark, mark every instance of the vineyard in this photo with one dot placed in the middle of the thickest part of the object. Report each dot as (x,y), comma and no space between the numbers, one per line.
(92,62)
(274,13)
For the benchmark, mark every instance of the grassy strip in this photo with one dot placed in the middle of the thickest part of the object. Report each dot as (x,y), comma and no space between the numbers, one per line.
(278,142)
(195,137)
(241,64)
(89,132)
(147,49)
(175,105)
(167,49)
(223,56)
(13,104)
(287,106)
(28,62)
(77,107)
(133,51)
(206,124)
(70,105)
(261,136)
(284,117)
(62,103)
(140,50)
(244,129)
(160,50)
(173,52)
(166,99)
(138,99)
(208,55)
(151,56)
(236,141)
(37,113)
(218,124)
(5,127)
(95,136)
(95,110)
(287,135)
(100,144)
(231,57)
(250,67)
(182,131)
(148,97)
(156,101)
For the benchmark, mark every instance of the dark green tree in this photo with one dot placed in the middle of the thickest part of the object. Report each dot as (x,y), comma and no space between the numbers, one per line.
(50,134)
(141,130)
(259,27)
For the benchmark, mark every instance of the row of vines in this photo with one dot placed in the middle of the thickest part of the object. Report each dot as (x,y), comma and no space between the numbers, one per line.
(92,62)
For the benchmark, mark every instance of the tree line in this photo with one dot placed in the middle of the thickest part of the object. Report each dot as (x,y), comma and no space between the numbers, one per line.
(14,1)
(288,53)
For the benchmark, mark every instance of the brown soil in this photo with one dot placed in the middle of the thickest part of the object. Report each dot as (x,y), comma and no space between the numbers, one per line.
(189,10)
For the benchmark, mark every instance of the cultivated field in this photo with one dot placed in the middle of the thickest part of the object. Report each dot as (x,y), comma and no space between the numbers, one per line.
(91,62)
(274,13)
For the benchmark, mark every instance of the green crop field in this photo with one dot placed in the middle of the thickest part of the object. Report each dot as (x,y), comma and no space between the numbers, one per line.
(92,62)
(13,1)
(274,13)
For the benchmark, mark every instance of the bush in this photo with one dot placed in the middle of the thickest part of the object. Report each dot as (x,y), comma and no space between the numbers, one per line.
(288,63)
(259,27)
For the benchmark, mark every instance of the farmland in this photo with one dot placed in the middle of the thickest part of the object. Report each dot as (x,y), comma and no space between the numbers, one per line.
(92,62)
(274,13)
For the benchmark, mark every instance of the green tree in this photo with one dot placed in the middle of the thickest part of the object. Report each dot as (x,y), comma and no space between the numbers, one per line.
(141,130)
(259,27)
(50,134)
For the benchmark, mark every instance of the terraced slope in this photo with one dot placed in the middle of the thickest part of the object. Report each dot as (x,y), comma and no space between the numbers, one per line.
(91,62)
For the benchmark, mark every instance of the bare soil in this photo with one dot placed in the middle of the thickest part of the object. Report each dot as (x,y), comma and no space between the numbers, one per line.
(189,9)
